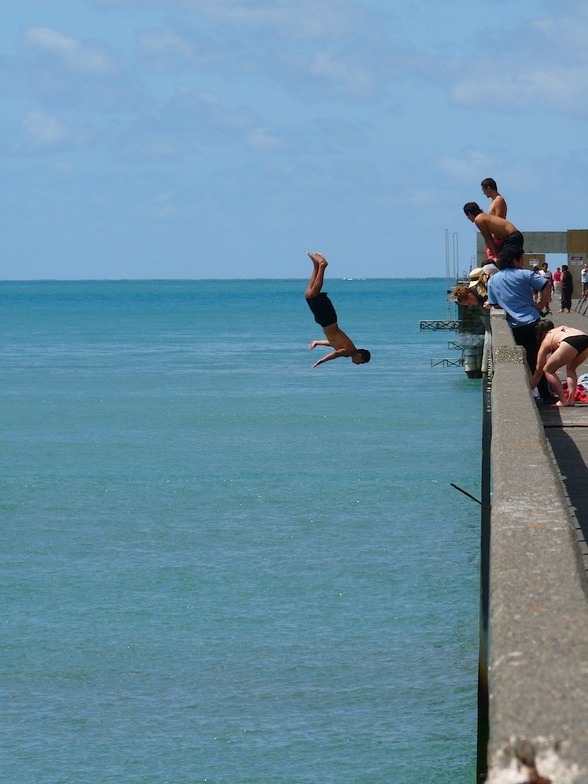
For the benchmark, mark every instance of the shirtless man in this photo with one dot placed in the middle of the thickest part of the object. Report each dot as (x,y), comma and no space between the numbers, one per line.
(325,315)
(497,202)
(498,233)
(567,346)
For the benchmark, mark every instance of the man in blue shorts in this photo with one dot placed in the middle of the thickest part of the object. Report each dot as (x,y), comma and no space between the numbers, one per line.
(512,289)
(325,315)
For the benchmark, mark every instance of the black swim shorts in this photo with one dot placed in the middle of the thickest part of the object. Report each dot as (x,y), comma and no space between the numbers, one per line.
(514,241)
(322,309)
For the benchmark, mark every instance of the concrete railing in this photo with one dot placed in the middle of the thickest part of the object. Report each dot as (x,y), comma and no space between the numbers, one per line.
(538,610)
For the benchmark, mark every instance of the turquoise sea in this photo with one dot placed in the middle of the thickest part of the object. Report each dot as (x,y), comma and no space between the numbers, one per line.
(220,565)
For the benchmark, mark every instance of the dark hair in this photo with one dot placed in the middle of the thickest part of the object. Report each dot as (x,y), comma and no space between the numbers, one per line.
(542,328)
(365,354)
(489,183)
(471,208)
(508,256)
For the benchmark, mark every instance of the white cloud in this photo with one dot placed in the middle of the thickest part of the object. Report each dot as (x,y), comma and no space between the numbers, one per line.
(163,47)
(264,139)
(543,67)
(77,56)
(463,173)
(194,119)
(466,168)
(352,81)
(299,18)
(44,130)
(528,87)
(161,205)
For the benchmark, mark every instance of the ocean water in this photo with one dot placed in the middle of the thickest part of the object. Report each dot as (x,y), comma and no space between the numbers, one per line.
(221,565)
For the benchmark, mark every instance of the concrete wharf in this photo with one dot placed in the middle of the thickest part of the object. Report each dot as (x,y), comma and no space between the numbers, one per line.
(533,686)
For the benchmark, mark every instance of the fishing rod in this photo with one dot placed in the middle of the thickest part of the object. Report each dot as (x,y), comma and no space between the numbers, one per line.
(469,495)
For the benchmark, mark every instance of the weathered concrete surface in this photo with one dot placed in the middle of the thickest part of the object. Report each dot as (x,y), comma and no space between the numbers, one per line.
(538,675)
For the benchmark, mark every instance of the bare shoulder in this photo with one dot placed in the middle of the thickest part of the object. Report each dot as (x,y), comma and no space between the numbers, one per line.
(497,207)
(483,221)
(500,206)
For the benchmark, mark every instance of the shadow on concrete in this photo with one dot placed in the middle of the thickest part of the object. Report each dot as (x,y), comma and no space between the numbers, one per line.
(569,446)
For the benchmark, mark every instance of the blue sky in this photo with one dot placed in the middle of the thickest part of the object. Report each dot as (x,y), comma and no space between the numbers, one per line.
(225,138)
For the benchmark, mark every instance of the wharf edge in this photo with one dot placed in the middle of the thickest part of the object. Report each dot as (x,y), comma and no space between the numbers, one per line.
(533,680)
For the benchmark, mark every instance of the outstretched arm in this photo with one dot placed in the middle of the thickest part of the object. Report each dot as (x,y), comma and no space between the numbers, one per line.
(489,240)
(316,343)
(333,355)
(544,352)
(544,297)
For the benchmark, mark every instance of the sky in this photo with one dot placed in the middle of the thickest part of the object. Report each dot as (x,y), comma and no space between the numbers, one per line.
(225,138)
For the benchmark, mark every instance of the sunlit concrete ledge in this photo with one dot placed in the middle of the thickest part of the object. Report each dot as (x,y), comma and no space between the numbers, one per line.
(538,621)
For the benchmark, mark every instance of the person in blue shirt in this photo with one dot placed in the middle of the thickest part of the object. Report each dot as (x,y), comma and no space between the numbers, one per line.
(513,289)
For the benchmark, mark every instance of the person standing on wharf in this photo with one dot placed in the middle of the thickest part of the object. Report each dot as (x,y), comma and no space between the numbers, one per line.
(513,289)
(497,203)
(325,315)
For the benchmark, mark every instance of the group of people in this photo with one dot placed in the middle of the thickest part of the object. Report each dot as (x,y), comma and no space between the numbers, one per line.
(502,238)
(524,295)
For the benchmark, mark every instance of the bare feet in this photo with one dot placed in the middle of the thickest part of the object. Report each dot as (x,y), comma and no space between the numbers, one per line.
(319,259)
(559,404)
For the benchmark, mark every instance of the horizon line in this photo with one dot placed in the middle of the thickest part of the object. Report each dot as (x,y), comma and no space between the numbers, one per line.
(215,280)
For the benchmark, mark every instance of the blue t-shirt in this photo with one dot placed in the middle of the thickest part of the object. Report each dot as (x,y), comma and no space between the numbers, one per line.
(512,289)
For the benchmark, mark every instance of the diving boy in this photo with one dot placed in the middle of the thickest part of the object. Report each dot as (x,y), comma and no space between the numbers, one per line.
(325,315)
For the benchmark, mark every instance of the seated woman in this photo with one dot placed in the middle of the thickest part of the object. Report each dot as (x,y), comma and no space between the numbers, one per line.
(559,346)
